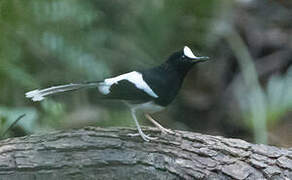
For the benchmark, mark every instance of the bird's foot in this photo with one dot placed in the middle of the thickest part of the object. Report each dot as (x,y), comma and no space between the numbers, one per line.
(141,133)
(144,136)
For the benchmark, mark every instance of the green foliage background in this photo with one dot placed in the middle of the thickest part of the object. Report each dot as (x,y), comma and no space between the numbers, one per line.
(44,43)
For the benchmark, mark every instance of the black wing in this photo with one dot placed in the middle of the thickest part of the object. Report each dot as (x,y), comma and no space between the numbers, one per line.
(165,82)
(125,90)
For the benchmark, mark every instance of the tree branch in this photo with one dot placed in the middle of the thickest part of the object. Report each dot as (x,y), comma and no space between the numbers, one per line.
(96,153)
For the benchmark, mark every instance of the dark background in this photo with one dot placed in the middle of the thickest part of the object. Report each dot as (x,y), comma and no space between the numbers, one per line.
(244,92)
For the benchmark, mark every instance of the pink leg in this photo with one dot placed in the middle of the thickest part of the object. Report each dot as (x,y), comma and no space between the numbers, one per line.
(162,129)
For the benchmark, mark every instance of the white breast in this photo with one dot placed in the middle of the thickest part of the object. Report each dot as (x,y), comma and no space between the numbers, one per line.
(148,107)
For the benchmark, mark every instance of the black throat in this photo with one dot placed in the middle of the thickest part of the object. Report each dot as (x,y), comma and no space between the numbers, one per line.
(181,68)
(166,80)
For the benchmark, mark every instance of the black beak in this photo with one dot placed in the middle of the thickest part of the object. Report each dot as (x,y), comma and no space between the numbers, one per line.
(200,59)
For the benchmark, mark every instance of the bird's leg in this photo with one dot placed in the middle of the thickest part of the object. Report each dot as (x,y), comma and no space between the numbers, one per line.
(162,129)
(144,136)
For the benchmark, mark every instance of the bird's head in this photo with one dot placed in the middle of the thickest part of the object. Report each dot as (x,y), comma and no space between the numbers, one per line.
(186,56)
(185,59)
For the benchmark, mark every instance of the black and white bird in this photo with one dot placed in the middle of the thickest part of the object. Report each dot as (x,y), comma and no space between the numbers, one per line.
(147,91)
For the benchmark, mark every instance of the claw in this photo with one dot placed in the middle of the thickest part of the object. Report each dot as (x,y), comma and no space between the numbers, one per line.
(144,136)
(141,133)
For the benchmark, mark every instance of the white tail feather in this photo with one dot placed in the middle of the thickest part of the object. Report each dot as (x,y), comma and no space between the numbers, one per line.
(35,95)
(39,95)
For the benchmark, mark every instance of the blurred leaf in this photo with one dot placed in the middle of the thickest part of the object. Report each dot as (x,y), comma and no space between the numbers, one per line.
(279,96)
(11,114)
(254,108)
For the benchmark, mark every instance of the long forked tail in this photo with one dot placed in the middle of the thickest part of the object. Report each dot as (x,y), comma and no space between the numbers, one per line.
(38,95)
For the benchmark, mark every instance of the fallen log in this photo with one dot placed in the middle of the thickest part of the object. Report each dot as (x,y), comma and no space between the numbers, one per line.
(98,153)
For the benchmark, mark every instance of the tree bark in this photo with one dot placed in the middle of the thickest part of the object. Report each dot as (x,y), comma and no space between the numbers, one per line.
(96,153)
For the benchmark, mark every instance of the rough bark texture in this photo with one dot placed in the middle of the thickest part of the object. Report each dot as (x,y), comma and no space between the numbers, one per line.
(95,153)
